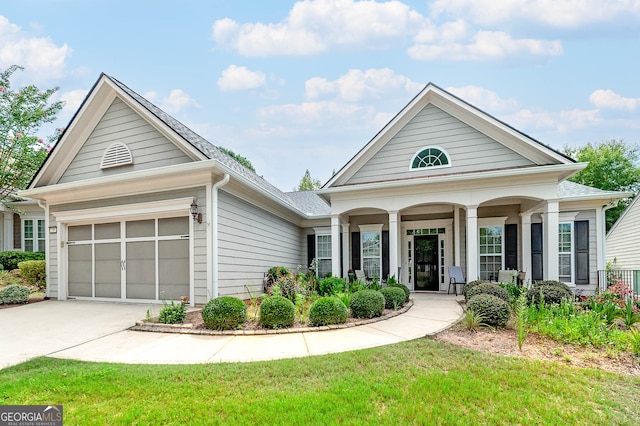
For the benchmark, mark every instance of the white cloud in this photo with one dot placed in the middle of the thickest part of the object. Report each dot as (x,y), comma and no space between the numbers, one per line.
(485,45)
(316,113)
(567,14)
(240,78)
(42,59)
(357,85)
(558,121)
(608,99)
(72,101)
(314,26)
(175,102)
(484,99)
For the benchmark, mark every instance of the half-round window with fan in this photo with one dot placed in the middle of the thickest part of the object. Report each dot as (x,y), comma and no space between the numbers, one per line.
(431,156)
(117,154)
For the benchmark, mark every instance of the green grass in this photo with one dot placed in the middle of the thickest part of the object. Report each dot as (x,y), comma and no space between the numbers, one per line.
(416,382)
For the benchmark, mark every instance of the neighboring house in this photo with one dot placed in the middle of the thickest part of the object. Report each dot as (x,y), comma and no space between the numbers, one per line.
(623,248)
(22,226)
(140,208)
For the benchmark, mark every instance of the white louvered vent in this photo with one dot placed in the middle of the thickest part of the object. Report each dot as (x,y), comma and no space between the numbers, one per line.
(116,155)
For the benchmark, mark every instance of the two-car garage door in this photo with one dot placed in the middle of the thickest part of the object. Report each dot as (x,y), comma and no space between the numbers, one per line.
(129,259)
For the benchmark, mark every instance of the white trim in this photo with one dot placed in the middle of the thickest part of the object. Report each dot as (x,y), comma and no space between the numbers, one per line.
(372,228)
(324,230)
(491,222)
(572,251)
(34,239)
(413,158)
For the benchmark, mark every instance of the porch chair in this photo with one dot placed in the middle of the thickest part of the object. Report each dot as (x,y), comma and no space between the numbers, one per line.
(456,278)
(360,275)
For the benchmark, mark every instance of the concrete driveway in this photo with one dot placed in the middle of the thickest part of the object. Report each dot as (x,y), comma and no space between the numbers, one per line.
(47,327)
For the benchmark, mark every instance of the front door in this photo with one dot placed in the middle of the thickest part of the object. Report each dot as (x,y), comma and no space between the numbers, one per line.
(425,263)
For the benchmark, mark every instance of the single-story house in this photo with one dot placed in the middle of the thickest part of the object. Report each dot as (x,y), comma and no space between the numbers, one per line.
(622,239)
(140,208)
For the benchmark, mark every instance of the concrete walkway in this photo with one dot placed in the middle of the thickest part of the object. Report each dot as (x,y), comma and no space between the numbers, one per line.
(429,314)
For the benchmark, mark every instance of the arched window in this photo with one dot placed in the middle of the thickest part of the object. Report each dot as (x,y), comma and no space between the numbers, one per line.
(430,157)
(117,154)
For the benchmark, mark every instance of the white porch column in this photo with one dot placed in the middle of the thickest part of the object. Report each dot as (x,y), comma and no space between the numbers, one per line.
(393,244)
(8,231)
(335,245)
(346,262)
(473,272)
(550,221)
(525,225)
(456,236)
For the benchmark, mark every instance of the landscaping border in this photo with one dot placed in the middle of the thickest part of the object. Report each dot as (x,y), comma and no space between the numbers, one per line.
(188,328)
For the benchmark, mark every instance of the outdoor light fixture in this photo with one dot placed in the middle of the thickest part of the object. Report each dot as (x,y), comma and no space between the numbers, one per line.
(53,229)
(197,217)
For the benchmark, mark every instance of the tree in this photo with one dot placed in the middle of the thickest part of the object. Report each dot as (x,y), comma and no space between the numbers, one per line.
(612,167)
(22,113)
(239,158)
(307,183)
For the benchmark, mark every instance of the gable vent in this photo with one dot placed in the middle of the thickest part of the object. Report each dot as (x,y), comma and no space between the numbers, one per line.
(116,155)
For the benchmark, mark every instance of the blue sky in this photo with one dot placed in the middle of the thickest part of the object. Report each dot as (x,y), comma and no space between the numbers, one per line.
(304,85)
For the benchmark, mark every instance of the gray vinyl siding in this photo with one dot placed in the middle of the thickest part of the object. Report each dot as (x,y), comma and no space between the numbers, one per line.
(468,149)
(622,241)
(149,148)
(250,241)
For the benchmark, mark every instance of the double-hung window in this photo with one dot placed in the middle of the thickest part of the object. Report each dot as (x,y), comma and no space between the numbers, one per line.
(565,252)
(490,247)
(371,250)
(33,234)
(323,254)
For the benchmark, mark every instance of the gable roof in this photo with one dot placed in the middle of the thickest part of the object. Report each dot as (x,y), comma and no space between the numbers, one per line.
(624,214)
(535,151)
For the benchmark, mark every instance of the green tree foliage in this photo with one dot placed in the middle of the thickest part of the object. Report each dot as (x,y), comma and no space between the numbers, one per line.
(239,158)
(612,167)
(307,183)
(22,113)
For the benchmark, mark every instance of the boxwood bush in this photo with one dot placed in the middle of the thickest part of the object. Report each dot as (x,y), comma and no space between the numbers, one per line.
(367,304)
(224,313)
(10,259)
(488,288)
(551,293)
(331,285)
(407,292)
(277,312)
(327,310)
(34,271)
(14,293)
(494,311)
(394,297)
(468,286)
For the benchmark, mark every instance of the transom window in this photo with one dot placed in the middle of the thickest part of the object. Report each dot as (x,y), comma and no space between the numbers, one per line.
(430,157)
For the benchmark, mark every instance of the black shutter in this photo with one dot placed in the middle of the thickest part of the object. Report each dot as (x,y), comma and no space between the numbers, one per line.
(385,255)
(536,252)
(511,246)
(581,238)
(341,257)
(355,250)
(311,248)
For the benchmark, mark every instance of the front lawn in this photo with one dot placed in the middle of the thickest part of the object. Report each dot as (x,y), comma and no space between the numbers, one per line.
(416,382)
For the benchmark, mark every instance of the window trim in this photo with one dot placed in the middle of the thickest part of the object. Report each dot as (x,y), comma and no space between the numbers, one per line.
(374,228)
(571,252)
(492,222)
(421,150)
(35,239)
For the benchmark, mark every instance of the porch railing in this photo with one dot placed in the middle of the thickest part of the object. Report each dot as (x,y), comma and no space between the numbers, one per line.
(630,277)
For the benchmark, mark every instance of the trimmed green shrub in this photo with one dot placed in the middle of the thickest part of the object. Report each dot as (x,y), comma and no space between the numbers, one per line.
(14,293)
(552,294)
(10,259)
(278,271)
(488,288)
(172,313)
(468,286)
(331,286)
(553,283)
(277,312)
(367,304)
(493,310)
(394,297)
(34,271)
(224,313)
(407,292)
(327,310)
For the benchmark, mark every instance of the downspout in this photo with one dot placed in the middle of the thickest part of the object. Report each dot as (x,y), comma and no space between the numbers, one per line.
(214,232)
(43,205)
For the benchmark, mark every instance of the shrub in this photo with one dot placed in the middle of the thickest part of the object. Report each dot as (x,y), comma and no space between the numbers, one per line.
(289,286)
(357,285)
(488,288)
(34,271)
(276,272)
(327,310)
(345,298)
(553,283)
(367,304)
(277,312)
(471,285)
(552,294)
(224,313)
(10,259)
(172,313)
(405,289)
(394,297)
(332,285)
(493,310)
(15,293)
